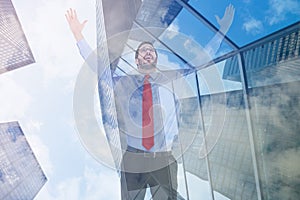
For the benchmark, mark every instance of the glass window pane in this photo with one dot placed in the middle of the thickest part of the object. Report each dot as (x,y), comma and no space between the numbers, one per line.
(192,43)
(274,98)
(191,138)
(227,139)
(219,78)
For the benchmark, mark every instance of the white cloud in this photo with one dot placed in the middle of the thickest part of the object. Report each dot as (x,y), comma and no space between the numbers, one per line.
(253,26)
(92,185)
(101,185)
(163,13)
(172,31)
(70,189)
(287,161)
(187,44)
(50,38)
(279,9)
(67,189)
(23,99)
(197,53)
(32,132)
(33,126)
(56,61)
(165,64)
(14,99)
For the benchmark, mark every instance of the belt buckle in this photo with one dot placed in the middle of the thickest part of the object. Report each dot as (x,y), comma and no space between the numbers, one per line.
(149,154)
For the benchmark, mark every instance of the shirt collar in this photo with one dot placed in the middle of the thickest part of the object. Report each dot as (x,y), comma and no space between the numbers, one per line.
(152,77)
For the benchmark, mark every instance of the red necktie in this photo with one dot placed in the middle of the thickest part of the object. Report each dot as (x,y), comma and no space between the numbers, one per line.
(148,125)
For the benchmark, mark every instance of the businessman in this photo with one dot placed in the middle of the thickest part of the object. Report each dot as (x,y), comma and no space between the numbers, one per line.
(147,117)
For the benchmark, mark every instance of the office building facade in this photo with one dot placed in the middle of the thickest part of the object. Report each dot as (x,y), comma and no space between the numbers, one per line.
(278,56)
(14,49)
(21,176)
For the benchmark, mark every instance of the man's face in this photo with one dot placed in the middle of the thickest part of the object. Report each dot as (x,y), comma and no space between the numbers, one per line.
(147,58)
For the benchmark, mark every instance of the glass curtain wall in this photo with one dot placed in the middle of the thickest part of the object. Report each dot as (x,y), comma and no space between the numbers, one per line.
(274,95)
(239,117)
(216,148)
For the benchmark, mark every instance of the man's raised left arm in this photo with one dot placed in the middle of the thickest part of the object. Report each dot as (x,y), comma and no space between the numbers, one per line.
(225,22)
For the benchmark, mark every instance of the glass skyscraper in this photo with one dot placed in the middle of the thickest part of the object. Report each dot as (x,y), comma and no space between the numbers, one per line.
(273,77)
(14,49)
(239,119)
(21,176)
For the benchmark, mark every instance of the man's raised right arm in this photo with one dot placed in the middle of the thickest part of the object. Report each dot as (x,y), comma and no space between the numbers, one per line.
(85,50)
(75,26)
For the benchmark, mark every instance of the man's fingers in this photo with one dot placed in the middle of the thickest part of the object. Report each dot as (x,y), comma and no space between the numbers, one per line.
(217,18)
(71,13)
(230,9)
(68,14)
(84,22)
(75,14)
(67,17)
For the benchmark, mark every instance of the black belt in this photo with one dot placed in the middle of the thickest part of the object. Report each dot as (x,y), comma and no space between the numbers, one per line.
(149,154)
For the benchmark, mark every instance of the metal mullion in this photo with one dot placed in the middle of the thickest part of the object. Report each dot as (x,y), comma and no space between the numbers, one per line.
(241,64)
(181,149)
(204,137)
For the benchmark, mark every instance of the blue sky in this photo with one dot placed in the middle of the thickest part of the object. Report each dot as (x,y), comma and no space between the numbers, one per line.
(40,96)
(254,18)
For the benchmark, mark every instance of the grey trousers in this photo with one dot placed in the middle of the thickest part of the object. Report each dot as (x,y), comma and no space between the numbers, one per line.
(162,180)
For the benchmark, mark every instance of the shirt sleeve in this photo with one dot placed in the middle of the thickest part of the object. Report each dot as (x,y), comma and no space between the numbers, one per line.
(214,44)
(88,55)
(84,48)
(106,98)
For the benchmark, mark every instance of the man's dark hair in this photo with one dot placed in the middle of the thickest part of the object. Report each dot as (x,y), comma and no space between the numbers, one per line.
(137,50)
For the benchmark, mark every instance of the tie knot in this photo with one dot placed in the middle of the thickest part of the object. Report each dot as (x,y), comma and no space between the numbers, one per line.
(146,80)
